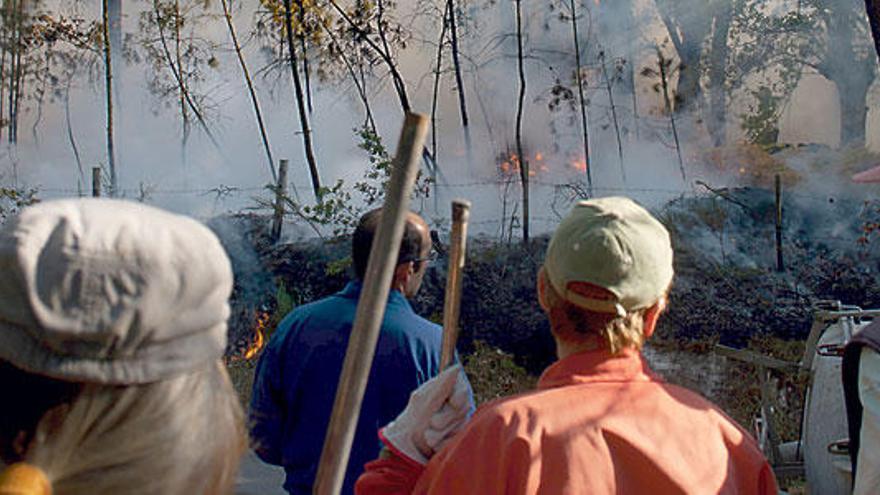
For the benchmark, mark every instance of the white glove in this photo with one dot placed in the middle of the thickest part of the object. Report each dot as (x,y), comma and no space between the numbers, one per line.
(435,412)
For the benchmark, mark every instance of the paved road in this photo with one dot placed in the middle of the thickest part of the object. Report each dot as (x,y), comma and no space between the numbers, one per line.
(255,477)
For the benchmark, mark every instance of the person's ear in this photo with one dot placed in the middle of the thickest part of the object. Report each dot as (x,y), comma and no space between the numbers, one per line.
(402,273)
(652,315)
(542,290)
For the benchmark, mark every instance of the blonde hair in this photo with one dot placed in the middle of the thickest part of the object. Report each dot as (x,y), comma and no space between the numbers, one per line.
(180,435)
(616,332)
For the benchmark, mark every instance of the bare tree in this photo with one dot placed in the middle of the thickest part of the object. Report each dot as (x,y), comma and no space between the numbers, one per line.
(609,81)
(300,102)
(451,13)
(108,90)
(270,162)
(585,121)
(523,162)
(663,73)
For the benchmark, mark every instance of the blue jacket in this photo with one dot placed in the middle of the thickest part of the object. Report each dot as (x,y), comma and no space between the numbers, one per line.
(297,374)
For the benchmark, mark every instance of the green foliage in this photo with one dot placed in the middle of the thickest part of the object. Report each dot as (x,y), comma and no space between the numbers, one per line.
(337,267)
(339,209)
(494,374)
(761,124)
(284,303)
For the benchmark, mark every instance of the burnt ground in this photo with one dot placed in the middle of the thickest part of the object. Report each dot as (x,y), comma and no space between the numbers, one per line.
(726,288)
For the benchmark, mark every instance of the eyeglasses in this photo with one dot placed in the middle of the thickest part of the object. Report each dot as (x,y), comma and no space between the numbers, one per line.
(430,258)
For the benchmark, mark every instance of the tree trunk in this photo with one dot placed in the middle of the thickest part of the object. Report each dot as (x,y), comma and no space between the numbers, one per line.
(108,90)
(687,37)
(851,70)
(853,108)
(300,103)
(453,32)
(184,113)
(585,121)
(614,119)
(523,162)
(873,8)
(227,14)
(716,122)
(302,43)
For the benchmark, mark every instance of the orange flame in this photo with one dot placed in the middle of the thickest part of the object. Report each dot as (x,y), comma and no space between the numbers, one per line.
(579,165)
(259,341)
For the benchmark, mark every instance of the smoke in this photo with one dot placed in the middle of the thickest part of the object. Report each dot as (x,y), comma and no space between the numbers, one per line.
(206,181)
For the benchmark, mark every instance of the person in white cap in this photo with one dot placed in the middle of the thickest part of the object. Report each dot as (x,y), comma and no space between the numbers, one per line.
(112,328)
(600,422)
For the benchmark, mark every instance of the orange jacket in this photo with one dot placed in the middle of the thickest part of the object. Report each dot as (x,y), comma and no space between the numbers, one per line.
(597,424)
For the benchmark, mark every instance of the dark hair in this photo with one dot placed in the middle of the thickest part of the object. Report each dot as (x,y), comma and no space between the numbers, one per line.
(30,397)
(410,246)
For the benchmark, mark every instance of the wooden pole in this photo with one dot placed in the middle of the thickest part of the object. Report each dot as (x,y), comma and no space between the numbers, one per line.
(371,308)
(280,195)
(780,265)
(461,212)
(96,182)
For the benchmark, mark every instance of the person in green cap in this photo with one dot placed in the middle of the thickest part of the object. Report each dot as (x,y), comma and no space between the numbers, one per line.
(600,421)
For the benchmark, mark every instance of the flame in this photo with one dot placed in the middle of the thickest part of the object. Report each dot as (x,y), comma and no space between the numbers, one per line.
(259,341)
(580,165)
(538,156)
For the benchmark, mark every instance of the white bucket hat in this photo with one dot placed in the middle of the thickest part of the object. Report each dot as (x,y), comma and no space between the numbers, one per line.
(109,291)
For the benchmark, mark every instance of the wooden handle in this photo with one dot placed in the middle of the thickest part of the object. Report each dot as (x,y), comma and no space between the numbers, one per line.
(371,308)
(461,212)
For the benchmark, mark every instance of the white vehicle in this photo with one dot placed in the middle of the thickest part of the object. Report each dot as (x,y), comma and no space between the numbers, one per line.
(822,451)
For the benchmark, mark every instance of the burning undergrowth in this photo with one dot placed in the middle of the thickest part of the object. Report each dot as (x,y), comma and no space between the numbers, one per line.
(727,286)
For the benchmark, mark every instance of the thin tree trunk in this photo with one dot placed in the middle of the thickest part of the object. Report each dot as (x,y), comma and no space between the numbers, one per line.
(436,90)
(434,94)
(40,97)
(717,121)
(302,42)
(663,64)
(108,90)
(300,102)
(178,78)
(399,84)
(523,163)
(456,64)
(184,114)
(81,177)
(585,123)
(3,51)
(873,8)
(362,92)
(14,59)
(614,119)
(247,78)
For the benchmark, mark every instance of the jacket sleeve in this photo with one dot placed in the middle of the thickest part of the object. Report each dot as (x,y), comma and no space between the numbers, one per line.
(266,408)
(388,475)
(767,481)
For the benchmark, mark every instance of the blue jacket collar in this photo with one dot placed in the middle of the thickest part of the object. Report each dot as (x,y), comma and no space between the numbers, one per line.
(352,290)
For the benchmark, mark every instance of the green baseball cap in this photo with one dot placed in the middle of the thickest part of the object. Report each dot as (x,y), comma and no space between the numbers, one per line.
(615,244)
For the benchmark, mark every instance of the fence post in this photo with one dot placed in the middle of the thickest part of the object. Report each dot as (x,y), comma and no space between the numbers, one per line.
(96,182)
(280,194)
(780,266)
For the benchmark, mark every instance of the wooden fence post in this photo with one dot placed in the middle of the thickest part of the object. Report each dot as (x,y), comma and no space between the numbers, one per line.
(96,182)
(780,265)
(280,195)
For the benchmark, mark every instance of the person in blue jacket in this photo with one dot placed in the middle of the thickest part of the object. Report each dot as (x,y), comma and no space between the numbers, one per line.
(297,374)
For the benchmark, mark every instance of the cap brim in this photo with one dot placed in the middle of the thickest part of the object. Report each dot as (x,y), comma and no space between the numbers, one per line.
(871,175)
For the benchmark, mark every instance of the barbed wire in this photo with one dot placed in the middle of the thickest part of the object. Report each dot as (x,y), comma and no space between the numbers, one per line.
(228,190)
